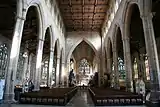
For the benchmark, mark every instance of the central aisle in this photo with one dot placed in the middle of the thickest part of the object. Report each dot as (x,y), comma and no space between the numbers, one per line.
(81,99)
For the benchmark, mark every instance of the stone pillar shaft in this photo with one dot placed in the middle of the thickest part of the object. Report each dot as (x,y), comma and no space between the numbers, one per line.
(33,68)
(128,65)
(12,68)
(57,71)
(109,65)
(25,69)
(63,73)
(116,72)
(38,64)
(49,77)
(152,57)
(29,66)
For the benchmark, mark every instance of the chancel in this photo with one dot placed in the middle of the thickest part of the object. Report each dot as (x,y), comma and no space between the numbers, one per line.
(79,53)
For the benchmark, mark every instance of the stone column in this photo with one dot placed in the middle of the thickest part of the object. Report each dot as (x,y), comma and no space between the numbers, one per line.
(116,72)
(60,70)
(99,74)
(141,67)
(128,64)
(29,65)
(57,71)
(33,68)
(152,57)
(12,68)
(26,57)
(109,69)
(67,72)
(109,65)
(25,69)
(49,76)
(38,64)
(63,73)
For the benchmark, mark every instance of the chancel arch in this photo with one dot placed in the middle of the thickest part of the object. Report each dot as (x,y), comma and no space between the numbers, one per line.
(84,52)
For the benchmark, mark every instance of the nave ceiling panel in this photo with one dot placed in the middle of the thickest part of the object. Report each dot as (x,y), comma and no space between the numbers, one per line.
(83,15)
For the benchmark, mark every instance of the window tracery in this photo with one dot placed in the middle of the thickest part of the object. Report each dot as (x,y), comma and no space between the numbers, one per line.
(121,69)
(3,60)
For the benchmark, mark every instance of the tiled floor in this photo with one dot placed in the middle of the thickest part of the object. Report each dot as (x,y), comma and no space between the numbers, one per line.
(81,99)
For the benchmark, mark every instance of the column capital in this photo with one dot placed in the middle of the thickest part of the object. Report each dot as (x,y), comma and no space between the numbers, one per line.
(63,63)
(125,39)
(20,17)
(114,50)
(58,58)
(147,16)
(51,50)
(40,39)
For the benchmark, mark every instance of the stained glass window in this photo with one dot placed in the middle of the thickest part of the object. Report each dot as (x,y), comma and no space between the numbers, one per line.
(3,60)
(84,66)
(84,72)
(121,69)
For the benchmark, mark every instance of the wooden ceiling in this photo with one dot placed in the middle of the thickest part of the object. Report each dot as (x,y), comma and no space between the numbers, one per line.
(7,18)
(83,15)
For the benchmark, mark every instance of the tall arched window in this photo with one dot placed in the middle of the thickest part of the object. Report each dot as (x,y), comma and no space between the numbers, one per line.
(121,69)
(84,66)
(84,72)
(3,60)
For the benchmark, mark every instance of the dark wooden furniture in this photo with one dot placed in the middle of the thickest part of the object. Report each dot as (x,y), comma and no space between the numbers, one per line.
(112,97)
(55,96)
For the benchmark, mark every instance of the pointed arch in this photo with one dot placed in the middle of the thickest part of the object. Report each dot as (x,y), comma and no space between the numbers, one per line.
(77,43)
(57,45)
(109,45)
(127,17)
(116,29)
(49,29)
(40,17)
(126,10)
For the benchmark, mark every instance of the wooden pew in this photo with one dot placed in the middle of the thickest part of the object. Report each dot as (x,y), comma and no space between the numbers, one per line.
(112,97)
(55,96)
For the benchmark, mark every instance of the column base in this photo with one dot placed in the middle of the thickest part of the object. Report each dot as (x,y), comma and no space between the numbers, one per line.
(152,104)
(36,89)
(9,99)
(153,99)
